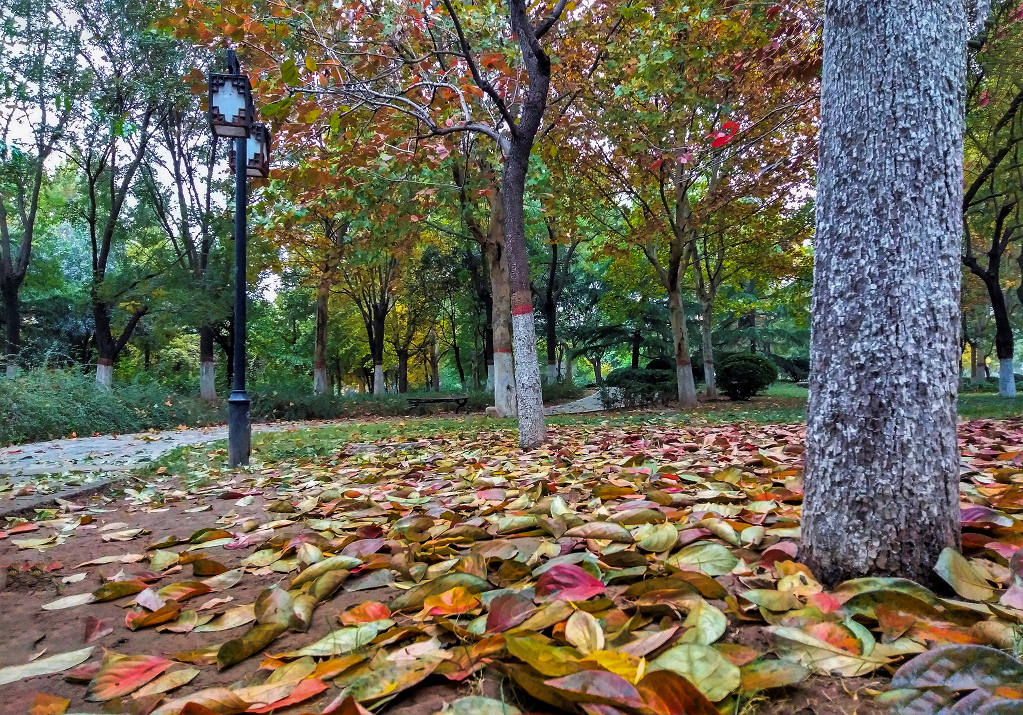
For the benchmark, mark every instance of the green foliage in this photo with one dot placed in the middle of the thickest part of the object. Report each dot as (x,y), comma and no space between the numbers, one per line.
(744,375)
(39,405)
(637,387)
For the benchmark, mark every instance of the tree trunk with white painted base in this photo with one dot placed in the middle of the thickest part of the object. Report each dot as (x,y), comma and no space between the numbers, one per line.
(1006,378)
(707,346)
(881,490)
(501,374)
(207,366)
(104,373)
(683,363)
(378,379)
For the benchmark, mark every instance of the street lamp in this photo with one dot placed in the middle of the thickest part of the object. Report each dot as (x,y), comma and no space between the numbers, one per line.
(231,114)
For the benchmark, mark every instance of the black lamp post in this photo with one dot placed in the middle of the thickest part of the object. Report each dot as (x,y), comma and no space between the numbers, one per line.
(231,113)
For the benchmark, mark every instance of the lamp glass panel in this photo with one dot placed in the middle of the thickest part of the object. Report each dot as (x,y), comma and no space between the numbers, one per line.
(230,102)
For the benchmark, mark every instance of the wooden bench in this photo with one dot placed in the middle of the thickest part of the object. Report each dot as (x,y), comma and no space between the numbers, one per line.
(460,401)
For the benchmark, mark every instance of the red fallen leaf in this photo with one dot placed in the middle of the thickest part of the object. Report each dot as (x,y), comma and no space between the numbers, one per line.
(835,634)
(305,690)
(22,528)
(82,674)
(597,686)
(826,602)
(567,582)
(668,693)
(365,612)
(782,551)
(95,629)
(363,547)
(123,674)
(507,611)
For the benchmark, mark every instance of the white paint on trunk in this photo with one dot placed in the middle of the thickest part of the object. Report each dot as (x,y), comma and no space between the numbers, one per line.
(378,379)
(680,336)
(12,371)
(1006,378)
(532,426)
(503,373)
(551,373)
(490,377)
(104,374)
(207,381)
(320,380)
(881,487)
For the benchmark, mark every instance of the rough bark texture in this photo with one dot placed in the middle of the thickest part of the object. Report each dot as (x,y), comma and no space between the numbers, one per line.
(683,363)
(320,344)
(882,466)
(378,379)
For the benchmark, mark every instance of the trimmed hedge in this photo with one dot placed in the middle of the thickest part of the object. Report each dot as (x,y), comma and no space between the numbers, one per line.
(635,387)
(743,375)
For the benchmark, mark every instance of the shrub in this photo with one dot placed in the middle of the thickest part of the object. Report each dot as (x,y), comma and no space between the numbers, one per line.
(796,368)
(44,404)
(743,375)
(631,387)
(560,392)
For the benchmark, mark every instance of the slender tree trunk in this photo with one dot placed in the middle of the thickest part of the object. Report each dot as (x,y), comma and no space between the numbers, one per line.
(550,312)
(976,364)
(12,325)
(881,491)
(402,370)
(434,365)
(1004,339)
(104,344)
(207,366)
(683,363)
(637,340)
(502,373)
(596,361)
(528,394)
(707,346)
(320,343)
(458,355)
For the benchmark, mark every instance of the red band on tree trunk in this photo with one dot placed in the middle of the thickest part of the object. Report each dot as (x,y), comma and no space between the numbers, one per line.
(522,309)
(500,351)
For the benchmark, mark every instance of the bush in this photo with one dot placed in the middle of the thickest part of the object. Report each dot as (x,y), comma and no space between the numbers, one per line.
(743,375)
(796,368)
(631,387)
(43,404)
(560,392)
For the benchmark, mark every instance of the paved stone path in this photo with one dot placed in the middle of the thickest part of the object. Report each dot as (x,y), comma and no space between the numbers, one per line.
(111,453)
(590,403)
(117,453)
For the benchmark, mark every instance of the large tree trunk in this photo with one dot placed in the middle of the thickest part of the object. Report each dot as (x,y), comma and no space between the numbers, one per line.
(528,393)
(976,364)
(12,325)
(882,464)
(707,346)
(683,363)
(207,366)
(502,372)
(320,343)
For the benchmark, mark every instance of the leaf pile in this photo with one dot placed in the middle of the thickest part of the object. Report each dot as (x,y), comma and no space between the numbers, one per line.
(651,570)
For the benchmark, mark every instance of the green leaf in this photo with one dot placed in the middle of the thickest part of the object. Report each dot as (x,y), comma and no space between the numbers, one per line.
(706,556)
(713,674)
(289,71)
(962,576)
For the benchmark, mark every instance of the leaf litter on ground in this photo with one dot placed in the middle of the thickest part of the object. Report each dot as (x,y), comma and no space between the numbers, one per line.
(648,569)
